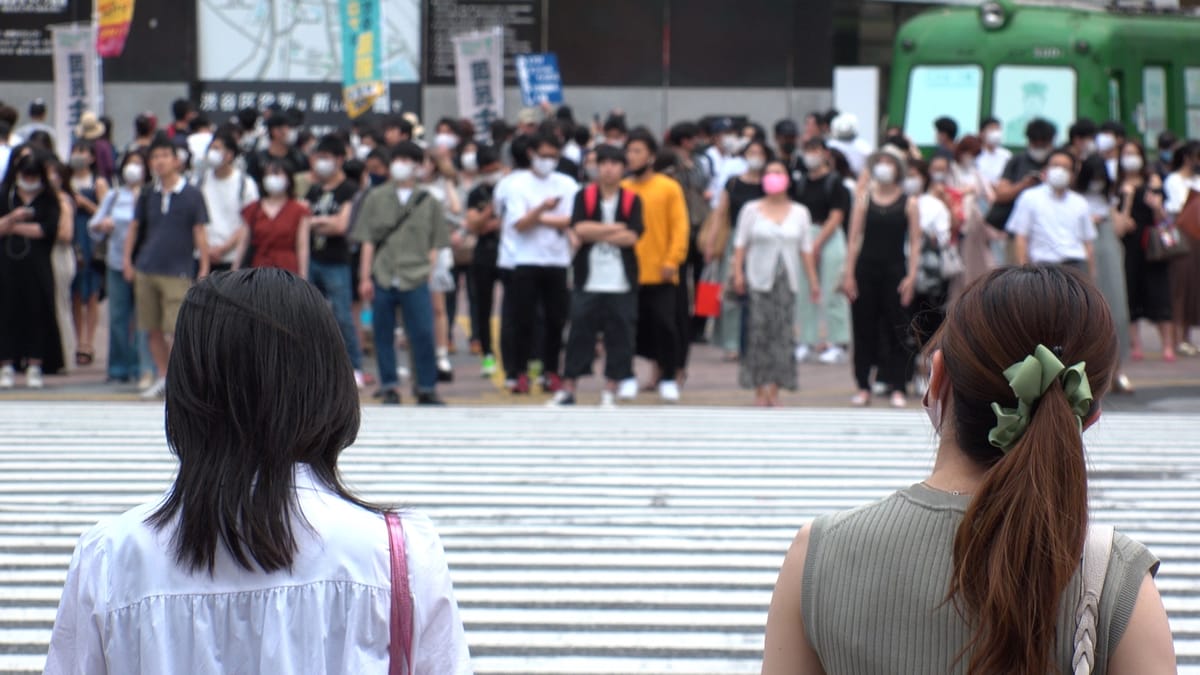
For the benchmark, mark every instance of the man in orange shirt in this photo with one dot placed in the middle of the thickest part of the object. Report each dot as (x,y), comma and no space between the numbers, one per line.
(661,250)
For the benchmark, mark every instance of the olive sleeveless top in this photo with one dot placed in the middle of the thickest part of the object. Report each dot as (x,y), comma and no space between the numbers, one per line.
(876,578)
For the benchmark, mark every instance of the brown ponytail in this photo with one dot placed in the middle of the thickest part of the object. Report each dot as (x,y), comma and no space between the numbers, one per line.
(1020,542)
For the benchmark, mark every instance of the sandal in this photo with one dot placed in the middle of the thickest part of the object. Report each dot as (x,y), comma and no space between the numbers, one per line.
(861,400)
(83,358)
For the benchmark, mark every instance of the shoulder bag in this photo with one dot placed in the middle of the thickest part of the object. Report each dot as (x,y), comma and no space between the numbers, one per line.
(1097,549)
(1164,242)
(400,643)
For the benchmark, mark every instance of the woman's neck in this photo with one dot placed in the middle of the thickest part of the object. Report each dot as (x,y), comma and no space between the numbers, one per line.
(752,177)
(953,470)
(777,199)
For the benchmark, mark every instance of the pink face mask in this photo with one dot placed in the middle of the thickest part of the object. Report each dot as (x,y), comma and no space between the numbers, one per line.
(774,183)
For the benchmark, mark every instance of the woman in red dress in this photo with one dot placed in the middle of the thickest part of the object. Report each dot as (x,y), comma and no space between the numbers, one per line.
(277,225)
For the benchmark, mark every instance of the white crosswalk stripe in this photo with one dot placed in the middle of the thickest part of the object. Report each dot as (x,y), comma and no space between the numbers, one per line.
(584,541)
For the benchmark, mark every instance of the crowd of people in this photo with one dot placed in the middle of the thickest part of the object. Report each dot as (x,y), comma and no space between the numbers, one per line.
(595,235)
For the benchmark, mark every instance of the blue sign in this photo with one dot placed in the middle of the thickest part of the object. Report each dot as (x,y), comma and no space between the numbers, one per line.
(539,79)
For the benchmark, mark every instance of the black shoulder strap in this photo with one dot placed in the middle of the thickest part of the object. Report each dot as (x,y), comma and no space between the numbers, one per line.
(420,198)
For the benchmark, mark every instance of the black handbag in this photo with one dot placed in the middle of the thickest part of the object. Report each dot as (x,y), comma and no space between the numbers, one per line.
(1165,242)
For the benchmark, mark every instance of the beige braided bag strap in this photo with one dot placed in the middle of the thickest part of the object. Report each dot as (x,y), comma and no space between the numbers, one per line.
(1097,549)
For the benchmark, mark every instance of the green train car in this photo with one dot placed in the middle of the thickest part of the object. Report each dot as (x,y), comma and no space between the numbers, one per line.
(1057,60)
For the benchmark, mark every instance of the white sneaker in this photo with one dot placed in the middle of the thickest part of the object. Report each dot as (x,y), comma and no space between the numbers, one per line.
(668,391)
(628,389)
(833,356)
(802,353)
(880,389)
(607,400)
(155,390)
(33,377)
(561,399)
(145,381)
(8,377)
(402,372)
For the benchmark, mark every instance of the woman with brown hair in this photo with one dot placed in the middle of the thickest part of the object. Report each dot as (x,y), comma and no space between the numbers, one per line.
(976,570)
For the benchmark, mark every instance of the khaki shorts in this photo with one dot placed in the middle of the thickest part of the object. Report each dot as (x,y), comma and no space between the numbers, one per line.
(158,299)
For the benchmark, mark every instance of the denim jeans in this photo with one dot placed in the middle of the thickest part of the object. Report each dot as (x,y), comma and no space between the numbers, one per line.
(122,333)
(416,308)
(334,282)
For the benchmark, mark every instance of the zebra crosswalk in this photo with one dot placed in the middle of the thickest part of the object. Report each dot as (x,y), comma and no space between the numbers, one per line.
(637,540)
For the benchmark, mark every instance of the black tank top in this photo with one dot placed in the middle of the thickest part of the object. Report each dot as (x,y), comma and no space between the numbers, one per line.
(740,194)
(885,233)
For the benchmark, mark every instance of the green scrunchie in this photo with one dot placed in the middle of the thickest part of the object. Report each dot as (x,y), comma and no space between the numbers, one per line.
(1030,379)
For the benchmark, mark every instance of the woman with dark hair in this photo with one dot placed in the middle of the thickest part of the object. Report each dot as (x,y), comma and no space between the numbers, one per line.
(30,216)
(259,557)
(63,260)
(774,238)
(1149,282)
(1185,270)
(89,189)
(977,569)
(277,225)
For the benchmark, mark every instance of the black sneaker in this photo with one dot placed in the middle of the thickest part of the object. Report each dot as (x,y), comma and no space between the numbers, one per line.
(445,375)
(429,399)
(391,397)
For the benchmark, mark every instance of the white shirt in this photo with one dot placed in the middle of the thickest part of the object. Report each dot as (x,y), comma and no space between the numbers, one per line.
(541,245)
(724,167)
(991,163)
(128,607)
(507,251)
(1176,189)
(769,243)
(5,154)
(856,151)
(225,208)
(1057,227)
(934,217)
(606,269)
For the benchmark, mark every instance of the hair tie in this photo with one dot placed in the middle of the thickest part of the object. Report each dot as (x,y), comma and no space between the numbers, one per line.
(1030,379)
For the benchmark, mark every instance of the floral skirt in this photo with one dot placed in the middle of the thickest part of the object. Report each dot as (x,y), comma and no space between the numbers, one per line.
(770,356)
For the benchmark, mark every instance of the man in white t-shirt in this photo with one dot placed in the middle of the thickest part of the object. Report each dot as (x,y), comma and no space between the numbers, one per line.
(725,157)
(227,190)
(1051,223)
(607,220)
(537,214)
(519,149)
(994,156)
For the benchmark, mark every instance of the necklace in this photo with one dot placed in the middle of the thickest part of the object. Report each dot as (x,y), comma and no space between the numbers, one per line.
(956,493)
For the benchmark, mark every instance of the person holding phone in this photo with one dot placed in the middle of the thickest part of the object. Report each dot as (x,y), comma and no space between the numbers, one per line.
(539,214)
(29,226)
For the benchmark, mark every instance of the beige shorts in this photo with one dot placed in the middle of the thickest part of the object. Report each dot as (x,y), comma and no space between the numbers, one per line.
(158,300)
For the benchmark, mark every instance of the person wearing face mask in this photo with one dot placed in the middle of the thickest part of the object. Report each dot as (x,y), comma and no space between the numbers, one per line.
(1108,144)
(537,216)
(774,236)
(976,238)
(1179,187)
(880,278)
(442,282)
(401,228)
(483,223)
(1051,223)
(724,157)
(277,226)
(227,191)
(111,225)
(787,144)
(281,146)
(821,190)
(30,222)
(928,183)
(1081,138)
(717,241)
(691,169)
(1022,172)
(994,156)
(330,200)
(89,190)
(661,252)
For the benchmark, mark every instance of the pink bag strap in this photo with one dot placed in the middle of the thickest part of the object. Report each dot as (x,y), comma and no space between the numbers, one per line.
(400,644)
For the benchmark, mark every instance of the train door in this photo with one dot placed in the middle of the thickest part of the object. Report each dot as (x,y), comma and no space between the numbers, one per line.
(1152,119)
(1191,98)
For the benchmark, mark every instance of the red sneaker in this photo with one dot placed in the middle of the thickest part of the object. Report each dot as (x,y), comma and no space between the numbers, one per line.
(551,383)
(522,385)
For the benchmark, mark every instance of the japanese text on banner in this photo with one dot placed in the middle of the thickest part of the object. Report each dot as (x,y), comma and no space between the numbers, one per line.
(361,55)
(479,76)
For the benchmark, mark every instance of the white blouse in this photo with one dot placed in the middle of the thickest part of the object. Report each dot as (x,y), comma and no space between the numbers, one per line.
(770,244)
(128,607)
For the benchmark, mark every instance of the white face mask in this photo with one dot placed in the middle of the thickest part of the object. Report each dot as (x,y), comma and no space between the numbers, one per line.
(1058,177)
(446,141)
(275,184)
(1039,155)
(730,143)
(938,176)
(1088,149)
(324,167)
(133,173)
(361,152)
(492,178)
(912,185)
(544,166)
(470,161)
(755,163)
(1132,163)
(402,170)
(1105,142)
(29,185)
(884,172)
(813,161)
(994,137)
(292,136)
(215,158)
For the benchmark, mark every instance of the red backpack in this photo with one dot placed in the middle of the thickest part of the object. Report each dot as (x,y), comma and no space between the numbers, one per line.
(591,195)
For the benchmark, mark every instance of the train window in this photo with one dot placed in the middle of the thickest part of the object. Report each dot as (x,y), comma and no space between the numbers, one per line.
(1022,93)
(1191,90)
(1154,97)
(1114,98)
(943,91)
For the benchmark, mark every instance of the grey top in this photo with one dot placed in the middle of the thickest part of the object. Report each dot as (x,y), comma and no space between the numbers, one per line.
(876,578)
(403,260)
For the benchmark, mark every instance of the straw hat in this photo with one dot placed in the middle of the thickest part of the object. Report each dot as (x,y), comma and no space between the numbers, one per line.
(90,127)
